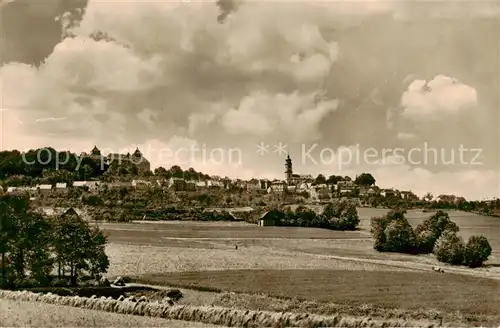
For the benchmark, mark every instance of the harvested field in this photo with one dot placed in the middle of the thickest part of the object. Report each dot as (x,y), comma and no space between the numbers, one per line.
(198,246)
(348,272)
(295,305)
(129,260)
(215,315)
(36,314)
(406,290)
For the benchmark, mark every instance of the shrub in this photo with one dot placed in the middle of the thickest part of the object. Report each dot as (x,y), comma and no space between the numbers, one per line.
(450,248)
(393,233)
(340,215)
(399,237)
(378,231)
(477,251)
(425,241)
(429,231)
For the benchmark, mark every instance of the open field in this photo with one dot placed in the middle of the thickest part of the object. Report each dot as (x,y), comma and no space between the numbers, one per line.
(200,246)
(36,314)
(406,290)
(347,271)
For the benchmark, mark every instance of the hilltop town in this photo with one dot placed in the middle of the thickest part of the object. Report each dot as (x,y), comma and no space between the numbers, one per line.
(127,182)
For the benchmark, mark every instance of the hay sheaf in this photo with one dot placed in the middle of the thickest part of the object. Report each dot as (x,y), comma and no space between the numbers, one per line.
(208,314)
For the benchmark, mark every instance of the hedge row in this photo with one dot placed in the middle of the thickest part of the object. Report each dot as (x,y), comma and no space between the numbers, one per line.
(207,314)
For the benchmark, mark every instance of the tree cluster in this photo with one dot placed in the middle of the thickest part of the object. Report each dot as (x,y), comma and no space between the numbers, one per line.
(437,235)
(45,163)
(33,246)
(337,215)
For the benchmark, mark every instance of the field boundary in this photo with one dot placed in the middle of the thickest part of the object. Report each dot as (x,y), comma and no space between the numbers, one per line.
(211,315)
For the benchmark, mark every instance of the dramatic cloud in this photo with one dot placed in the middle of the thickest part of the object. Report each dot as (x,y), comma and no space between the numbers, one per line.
(340,74)
(443,96)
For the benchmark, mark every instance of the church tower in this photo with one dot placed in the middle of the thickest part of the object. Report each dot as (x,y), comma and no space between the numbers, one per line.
(288,170)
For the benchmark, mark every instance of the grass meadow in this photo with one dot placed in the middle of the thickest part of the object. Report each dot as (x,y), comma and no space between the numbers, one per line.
(277,262)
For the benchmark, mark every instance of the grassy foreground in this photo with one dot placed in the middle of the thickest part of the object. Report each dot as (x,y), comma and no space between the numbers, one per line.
(412,295)
(36,314)
(211,314)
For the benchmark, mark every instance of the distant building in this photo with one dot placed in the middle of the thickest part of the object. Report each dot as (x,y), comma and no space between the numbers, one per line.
(346,188)
(89,185)
(266,220)
(215,184)
(61,188)
(177,184)
(20,190)
(388,193)
(254,184)
(141,184)
(294,179)
(190,185)
(79,184)
(70,213)
(44,189)
(97,157)
(127,160)
(278,186)
(201,184)
(118,185)
(408,195)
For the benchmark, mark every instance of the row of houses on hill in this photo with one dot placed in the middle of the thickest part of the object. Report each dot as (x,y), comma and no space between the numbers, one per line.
(305,183)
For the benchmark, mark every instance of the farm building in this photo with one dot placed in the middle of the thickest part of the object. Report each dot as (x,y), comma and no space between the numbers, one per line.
(266,220)
(70,213)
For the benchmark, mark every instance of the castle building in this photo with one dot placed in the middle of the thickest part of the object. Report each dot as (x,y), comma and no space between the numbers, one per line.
(95,155)
(135,159)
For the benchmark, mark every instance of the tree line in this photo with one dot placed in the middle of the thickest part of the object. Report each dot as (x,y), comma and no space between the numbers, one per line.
(337,215)
(33,247)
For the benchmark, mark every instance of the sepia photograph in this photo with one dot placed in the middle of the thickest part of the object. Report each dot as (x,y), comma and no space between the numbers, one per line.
(249,163)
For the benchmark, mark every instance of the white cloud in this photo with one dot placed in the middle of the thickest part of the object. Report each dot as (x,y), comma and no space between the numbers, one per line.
(293,117)
(439,97)
(175,77)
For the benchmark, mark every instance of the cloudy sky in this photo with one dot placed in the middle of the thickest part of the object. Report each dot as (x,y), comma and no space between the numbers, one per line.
(405,90)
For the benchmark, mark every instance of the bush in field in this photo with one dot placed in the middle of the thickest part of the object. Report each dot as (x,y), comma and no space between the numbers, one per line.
(429,231)
(399,237)
(341,215)
(450,248)
(393,233)
(477,251)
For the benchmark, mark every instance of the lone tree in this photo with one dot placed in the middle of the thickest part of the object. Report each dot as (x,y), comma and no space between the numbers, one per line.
(365,179)
(477,251)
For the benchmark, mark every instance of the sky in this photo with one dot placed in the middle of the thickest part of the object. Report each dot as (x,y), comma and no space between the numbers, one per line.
(407,91)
